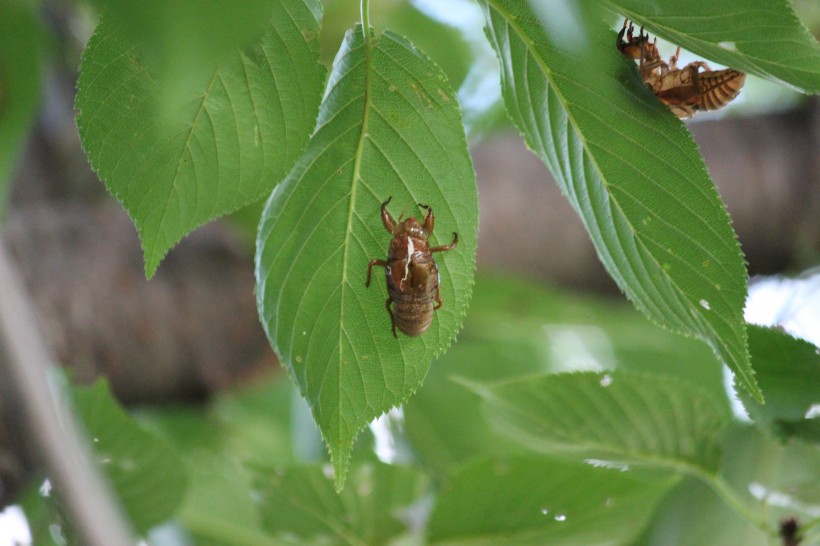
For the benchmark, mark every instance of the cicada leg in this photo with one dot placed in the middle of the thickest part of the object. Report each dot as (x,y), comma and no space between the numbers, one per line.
(451,246)
(387,303)
(619,41)
(380,263)
(429,219)
(387,219)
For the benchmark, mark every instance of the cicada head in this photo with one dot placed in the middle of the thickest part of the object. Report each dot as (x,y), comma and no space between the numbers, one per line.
(411,227)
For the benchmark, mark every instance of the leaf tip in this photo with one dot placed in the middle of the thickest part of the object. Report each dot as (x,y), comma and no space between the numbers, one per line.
(750,385)
(150,270)
(746,373)
(154,246)
(340,461)
(152,258)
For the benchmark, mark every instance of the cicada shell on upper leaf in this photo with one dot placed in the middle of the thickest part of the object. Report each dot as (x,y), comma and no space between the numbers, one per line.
(686,90)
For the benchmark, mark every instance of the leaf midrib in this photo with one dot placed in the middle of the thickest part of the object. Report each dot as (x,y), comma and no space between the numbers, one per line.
(356,177)
(173,187)
(608,448)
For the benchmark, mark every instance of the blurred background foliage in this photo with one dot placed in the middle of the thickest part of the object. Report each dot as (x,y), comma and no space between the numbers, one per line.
(249,467)
(245,465)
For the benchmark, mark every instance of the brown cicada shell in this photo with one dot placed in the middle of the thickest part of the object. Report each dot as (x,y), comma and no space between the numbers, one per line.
(684,90)
(411,273)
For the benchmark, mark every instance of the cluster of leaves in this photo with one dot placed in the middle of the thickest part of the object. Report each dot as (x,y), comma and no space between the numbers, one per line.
(265,120)
(388,124)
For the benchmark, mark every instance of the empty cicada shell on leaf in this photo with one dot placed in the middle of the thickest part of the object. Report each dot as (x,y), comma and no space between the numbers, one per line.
(686,90)
(411,273)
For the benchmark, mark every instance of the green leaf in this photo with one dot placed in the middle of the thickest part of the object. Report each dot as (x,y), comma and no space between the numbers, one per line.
(217,442)
(517,328)
(628,417)
(301,502)
(258,423)
(21,45)
(220,507)
(144,471)
(389,126)
(761,37)
(182,38)
(788,370)
(543,501)
(633,174)
(175,166)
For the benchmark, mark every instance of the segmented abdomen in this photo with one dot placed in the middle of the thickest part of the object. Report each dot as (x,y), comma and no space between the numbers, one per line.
(717,89)
(413,289)
(413,317)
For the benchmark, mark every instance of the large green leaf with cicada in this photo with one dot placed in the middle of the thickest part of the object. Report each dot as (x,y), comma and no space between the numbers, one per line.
(389,126)
(630,170)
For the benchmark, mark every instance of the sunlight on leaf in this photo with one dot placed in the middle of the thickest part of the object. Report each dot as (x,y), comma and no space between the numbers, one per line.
(389,126)
(176,167)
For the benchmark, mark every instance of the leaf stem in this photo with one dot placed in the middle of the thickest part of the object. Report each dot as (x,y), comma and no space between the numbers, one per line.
(728,494)
(365,15)
(808,532)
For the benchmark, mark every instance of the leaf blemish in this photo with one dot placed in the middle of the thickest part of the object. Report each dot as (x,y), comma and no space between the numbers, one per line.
(424,99)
